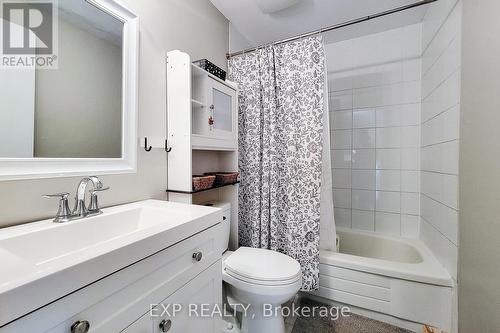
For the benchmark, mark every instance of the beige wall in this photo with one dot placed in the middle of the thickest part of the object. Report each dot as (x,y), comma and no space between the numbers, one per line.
(194,26)
(479,254)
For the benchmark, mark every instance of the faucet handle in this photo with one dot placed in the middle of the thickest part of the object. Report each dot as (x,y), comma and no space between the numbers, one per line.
(62,196)
(63,213)
(94,203)
(97,190)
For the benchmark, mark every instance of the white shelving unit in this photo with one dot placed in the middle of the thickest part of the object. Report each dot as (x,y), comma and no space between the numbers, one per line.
(202,132)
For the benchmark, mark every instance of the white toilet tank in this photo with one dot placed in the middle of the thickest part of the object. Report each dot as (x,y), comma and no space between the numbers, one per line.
(226,222)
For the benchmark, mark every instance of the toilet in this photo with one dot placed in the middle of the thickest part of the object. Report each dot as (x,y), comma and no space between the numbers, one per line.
(257,280)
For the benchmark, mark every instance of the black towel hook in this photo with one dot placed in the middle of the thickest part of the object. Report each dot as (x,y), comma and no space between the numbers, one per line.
(167,148)
(146,148)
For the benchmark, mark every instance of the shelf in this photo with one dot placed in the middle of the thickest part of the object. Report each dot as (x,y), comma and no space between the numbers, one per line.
(197,104)
(204,142)
(198,71)
(208,189)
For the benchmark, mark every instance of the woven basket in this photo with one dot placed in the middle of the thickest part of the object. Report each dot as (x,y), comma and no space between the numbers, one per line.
(203,182)
(222,178)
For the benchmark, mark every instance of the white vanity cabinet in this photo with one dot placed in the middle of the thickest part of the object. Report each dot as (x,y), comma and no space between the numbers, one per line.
(195,300)
(188,272)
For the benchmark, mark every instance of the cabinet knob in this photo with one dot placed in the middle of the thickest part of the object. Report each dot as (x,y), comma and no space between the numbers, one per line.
(80,327)
(165,325)
(197,256)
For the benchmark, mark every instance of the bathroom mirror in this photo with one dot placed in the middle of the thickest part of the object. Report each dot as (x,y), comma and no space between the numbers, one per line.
(76,115)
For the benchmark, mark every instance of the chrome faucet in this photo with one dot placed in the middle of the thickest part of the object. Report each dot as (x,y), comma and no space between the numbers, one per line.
(80,209)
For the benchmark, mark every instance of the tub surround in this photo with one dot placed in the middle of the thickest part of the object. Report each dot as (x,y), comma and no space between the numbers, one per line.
(375,115)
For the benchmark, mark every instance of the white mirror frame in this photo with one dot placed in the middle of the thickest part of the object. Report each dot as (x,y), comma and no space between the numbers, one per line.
(30,168)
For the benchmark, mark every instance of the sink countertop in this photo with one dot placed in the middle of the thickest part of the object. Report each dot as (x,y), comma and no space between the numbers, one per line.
(44,261)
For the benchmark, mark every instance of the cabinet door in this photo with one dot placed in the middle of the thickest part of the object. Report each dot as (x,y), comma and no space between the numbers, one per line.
(194,302)
(223,108)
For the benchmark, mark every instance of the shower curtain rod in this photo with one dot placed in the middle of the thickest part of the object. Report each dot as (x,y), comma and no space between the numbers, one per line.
(336,26)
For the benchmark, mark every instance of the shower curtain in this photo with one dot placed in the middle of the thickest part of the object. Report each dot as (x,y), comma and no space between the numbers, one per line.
(281,114)
(328,230)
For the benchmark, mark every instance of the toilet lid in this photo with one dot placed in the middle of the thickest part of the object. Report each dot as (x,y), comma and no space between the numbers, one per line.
(262,265)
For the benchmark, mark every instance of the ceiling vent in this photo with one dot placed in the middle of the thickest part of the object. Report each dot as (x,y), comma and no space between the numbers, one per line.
(273,6)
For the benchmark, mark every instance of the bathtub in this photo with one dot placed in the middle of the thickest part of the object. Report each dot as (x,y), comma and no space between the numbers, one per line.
(388,275)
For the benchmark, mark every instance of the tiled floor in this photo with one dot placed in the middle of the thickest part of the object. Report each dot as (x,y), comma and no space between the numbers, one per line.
(352,324)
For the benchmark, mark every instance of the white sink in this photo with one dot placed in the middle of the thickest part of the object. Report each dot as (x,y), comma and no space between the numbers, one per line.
(39,255)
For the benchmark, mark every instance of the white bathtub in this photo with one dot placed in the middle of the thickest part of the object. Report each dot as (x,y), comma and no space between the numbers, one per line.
(389,275)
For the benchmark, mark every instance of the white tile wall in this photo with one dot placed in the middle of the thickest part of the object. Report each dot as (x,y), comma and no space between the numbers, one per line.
(341,120)
(342,197)
(363,138)
(389,180)
(400,104)
(388,159)
(440,131)
(388,223)
(388,202)
(341,178)
(363,200)
(363,179)
(375,98)
(363,118)
(363,220)
(341,159)
(410,226)
(410,181)
(363,158)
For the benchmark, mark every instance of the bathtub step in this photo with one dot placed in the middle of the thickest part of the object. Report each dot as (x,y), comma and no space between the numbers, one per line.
(356,288)
(356,276)
(408,300)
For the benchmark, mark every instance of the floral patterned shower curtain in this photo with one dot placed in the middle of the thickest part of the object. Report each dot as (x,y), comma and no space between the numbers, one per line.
(281,105)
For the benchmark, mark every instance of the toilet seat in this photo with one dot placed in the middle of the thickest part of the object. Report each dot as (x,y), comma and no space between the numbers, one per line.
(267,291)
(262,267)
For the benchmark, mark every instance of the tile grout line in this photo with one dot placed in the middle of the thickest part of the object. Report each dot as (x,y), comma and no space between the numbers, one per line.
(439,143)
(375,180)
(441,112)
(352,140)
(439,202)
(439,231)
(447,79)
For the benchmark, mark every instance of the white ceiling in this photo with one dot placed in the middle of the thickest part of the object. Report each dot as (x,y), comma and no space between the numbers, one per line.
(308,15)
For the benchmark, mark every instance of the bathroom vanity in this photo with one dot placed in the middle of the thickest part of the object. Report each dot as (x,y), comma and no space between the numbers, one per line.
(121,271)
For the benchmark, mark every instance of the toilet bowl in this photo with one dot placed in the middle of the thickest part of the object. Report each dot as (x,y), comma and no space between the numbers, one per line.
(257,282)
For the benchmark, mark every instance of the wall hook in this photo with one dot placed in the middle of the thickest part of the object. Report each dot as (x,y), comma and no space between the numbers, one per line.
(167,148)
(146,148)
